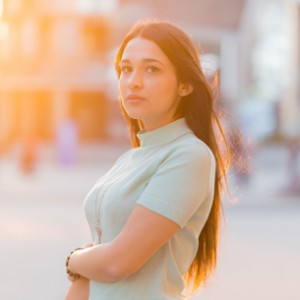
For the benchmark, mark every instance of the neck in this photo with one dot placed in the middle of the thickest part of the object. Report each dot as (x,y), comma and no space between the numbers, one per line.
(152,125)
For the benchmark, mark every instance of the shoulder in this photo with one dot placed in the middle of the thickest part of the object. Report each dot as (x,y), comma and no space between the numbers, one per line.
(191,149)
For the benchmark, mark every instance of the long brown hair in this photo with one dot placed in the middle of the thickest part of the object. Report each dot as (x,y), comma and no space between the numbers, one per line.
(198,109)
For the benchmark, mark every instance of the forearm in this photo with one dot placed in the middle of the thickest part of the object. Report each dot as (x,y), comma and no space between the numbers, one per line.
(122,257)
(95,263)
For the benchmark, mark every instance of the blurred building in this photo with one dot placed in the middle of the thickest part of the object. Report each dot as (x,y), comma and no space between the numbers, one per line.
(52,68)
(269,47)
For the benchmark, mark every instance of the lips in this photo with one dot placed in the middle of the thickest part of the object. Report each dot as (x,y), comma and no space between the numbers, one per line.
(134,97)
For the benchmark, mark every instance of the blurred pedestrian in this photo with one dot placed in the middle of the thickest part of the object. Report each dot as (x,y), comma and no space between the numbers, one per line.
(293,169)
(67,141)
(28,154)
(154,216)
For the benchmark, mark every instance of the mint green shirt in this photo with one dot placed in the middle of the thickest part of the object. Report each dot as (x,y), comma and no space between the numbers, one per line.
(172,173)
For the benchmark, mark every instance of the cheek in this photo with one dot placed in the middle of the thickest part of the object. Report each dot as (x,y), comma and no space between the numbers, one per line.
(167,88)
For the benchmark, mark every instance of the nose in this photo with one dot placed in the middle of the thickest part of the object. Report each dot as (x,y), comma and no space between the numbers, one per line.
(135,80)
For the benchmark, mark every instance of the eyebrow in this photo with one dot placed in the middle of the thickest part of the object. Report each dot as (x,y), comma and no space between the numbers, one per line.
(144,60)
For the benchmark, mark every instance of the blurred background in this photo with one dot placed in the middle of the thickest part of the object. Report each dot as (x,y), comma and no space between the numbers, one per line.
(61,128)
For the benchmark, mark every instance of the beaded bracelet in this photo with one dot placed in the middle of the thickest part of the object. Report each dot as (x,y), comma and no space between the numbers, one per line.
(71,274)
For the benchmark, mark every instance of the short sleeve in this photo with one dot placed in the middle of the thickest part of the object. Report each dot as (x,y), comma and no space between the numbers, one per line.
(180,184)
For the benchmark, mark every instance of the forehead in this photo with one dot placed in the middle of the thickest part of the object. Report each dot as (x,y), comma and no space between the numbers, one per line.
(140,49)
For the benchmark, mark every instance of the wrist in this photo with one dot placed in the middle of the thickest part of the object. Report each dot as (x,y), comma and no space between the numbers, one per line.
(71,265)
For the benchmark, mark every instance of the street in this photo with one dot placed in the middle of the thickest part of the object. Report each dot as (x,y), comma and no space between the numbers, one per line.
(41,220)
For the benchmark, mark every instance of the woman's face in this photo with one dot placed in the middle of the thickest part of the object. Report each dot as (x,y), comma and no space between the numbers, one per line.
(148,84)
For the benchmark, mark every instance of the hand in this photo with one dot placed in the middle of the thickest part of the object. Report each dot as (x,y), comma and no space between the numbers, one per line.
(79,290)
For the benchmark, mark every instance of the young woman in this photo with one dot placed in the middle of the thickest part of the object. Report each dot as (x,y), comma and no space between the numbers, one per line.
(154,217)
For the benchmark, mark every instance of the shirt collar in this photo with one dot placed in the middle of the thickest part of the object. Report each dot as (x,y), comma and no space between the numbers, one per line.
(164,134)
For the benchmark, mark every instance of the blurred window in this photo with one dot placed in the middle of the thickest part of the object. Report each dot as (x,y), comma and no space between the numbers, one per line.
(64,37)
(17,7)
(44,36)
(95,37)
(29,38)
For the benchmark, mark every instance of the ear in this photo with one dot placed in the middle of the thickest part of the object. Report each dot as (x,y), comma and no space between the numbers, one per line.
(185,89)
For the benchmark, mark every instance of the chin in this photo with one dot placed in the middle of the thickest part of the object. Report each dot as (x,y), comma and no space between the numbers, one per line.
(134,115)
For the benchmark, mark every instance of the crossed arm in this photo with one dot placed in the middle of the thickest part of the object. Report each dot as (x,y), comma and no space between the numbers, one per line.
(142,236)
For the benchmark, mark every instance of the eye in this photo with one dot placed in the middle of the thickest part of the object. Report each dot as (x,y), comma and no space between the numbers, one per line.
(152,69)
(125,69)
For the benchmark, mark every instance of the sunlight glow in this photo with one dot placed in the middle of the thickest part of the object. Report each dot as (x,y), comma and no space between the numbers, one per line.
(4,31)
(1,8)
